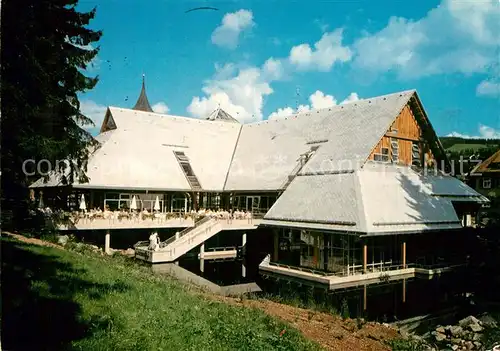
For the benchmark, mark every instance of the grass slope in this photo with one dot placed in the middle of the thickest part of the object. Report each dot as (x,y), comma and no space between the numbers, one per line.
(55,299)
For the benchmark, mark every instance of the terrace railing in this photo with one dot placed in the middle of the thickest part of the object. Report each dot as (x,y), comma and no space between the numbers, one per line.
(126,203)
(184,232)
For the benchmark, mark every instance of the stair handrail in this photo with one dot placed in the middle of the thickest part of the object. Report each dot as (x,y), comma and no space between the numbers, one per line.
(184,232)
(293,173)
(141,243)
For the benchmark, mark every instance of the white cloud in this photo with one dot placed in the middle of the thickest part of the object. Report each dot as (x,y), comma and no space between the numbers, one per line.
(318,100)
(94,111)
(489,132)
(273,69)
(160,107)
(201,107)
(233,24)
(457,36)
(326,52)
(488,88)
(485,132)
(241,95)
(351,98)
(281,112)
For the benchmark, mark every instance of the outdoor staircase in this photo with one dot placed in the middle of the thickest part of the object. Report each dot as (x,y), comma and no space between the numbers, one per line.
(171,249)
(183,160)
(301,162)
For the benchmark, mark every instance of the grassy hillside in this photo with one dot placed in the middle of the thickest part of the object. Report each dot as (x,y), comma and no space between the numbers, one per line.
(468,146)
(55,299)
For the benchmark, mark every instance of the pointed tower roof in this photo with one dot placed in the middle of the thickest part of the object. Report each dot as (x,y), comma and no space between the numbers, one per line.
(221,115)
(142,103)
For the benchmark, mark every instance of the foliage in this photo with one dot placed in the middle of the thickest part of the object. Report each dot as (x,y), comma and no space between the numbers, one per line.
(449,142)
(491,336)
(406,345)
(93,302)
(344,309)
(44,58)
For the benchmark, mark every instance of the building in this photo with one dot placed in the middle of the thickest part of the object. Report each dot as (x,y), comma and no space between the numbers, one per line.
(344,191)
(485,177)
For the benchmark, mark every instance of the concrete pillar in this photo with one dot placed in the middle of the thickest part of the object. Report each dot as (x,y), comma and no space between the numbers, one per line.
(364,297)
(404,290)
(107,242)
(315,250)
(404,254)
(244,244)
(176,235)
(243,270)
(365,257)
(185,204)
(202,265)
(202,250)
(276,246)
(468,220)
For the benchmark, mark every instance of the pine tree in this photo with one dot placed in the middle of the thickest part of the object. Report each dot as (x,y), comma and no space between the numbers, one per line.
(46,48)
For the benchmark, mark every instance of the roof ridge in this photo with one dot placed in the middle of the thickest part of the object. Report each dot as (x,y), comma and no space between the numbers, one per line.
(340,106)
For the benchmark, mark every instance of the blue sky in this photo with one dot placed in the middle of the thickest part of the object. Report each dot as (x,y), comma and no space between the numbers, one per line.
(269,58)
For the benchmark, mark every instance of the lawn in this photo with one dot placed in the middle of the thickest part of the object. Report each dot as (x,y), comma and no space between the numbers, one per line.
(55,299)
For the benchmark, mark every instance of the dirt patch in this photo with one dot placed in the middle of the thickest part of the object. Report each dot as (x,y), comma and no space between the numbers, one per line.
(331,332)
(34,241)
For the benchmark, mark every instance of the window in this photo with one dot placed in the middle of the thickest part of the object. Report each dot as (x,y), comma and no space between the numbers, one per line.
(381,158)
(415,154)
(487,183)
(187,169)
(395,150)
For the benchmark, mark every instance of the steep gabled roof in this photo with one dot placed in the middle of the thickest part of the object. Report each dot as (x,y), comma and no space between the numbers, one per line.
(374,200)
(221,115)
(142,103)
(491,165)
(267,151)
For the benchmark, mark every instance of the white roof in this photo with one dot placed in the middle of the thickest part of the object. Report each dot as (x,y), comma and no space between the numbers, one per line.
(268,151)
(138,154)
(379,198)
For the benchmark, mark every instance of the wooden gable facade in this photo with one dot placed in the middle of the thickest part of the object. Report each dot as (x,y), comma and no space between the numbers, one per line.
(108,123)
(408,141)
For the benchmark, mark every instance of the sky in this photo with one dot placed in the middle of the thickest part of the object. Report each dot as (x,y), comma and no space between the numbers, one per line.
(267,59)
